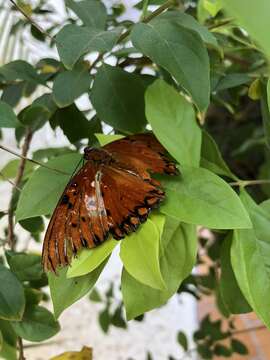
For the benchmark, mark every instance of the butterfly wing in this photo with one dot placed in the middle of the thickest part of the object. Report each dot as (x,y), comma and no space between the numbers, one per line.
(79,219)
(143,153)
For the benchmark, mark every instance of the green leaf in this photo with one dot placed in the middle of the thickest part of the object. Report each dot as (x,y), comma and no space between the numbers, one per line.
(182,340)
(231,294)
(8,352)
(232,80)
(140,253)
(82,128)
(92,13)
(26,267)
(20,70)
(75,41)
(180,248)
(8,118)
(247,13)
(238,347)
(37,324)
(104,319)
(222,350)
(13,93)
(200,197)
(95,296)
(12,301)
(11,168)
(89,259)
(180,51)
(265,205)
(211,157)
(250,256)
(212,6)
(9,336)
(33,225)
(265,107)
(65,292)
(70,84)
(118,97)
(42,191)
(189,22)
(106,139)
(38,113)
(117,318)
(173,121)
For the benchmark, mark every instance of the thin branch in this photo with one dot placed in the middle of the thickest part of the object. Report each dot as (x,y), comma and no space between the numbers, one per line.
(20,348)
(32,161)
(9,181)
(249,182)
(148,18)
(254,328)
(17,181)
(38,27)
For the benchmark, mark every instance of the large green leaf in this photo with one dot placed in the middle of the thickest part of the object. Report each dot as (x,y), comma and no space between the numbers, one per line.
(250,255)
(89,259)
(12,301)
(140,253)
(65,292)
(8,118)
(200,197)
(173,121)
(75,41)
(11,168)
(42,191)
(118,97)
(92,13)
(231,294)
(37,324)
(180,51)
(253,16)
(178,258)
(211,157)
(70,84)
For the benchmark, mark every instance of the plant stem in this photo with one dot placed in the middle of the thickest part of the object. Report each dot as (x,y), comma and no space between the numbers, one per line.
(38,27)
(20,348)
(144,9)
(17,181)
(249,182)
(32,161)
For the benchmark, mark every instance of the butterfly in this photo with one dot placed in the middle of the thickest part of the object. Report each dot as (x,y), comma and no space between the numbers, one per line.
(112,194)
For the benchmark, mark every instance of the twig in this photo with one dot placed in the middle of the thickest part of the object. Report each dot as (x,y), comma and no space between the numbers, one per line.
(32,161)
(20,348)
(148,18)
(9,181)
(254,328)
(221,23)
(38,27)
(17,181)
(249,182)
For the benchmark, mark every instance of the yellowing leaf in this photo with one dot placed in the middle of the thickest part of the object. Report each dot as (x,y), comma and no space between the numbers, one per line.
(85,354)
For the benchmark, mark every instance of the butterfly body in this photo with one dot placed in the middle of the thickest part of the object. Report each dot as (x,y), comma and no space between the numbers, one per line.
(112,193)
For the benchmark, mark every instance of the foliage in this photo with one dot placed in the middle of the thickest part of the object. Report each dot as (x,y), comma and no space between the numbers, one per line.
(199,81)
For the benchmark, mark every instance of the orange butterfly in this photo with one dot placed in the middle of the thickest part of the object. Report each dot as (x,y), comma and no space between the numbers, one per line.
(112,193)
